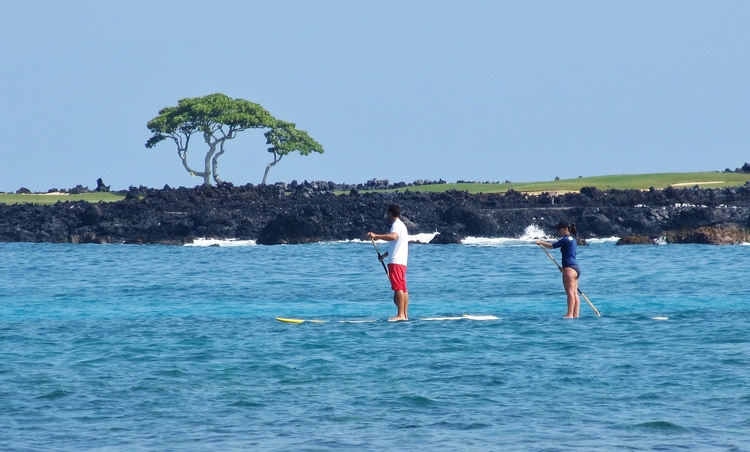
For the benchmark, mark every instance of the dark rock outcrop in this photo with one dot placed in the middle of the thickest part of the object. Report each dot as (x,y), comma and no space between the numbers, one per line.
(450,238)
(636,240)
(726,234)
(100,185)
(307,212)
(286,229)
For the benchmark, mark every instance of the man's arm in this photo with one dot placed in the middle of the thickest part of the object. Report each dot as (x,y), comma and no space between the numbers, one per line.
(387,237)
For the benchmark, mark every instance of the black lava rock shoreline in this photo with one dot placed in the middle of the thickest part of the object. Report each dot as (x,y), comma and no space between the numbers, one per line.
(276,214)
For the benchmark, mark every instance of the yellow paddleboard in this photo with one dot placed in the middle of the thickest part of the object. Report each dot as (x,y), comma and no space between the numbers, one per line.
(281,319)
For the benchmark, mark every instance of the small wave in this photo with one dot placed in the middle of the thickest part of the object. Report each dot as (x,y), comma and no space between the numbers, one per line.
(662,426)
(246,404)
(56,394)
(419,401)
(217,242)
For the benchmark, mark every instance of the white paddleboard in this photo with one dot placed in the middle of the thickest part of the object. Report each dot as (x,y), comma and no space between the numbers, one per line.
(480,317)
(463,317)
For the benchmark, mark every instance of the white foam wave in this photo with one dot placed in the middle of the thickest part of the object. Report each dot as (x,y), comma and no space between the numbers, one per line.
(531,234)
(216,242)
(602,240)
(424,238)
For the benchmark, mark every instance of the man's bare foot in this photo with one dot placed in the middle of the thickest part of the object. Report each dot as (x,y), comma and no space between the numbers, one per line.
(568,317)
(397,319)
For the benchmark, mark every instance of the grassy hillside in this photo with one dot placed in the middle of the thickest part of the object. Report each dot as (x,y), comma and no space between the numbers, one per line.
(621,182)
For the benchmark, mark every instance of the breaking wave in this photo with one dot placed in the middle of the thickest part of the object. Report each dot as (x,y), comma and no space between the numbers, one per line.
(529,236)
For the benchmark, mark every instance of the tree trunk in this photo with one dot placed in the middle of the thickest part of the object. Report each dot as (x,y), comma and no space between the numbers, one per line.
(204,174)
(215,163)
(206,163)
(276,159)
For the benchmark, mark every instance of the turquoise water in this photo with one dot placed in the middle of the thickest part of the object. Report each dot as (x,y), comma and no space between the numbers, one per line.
(176,348)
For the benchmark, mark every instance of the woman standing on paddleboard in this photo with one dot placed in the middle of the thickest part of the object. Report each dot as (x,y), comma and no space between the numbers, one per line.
(570,269)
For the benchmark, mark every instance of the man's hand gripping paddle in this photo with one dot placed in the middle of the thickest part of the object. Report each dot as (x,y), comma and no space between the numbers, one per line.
(380,258)
(579,290)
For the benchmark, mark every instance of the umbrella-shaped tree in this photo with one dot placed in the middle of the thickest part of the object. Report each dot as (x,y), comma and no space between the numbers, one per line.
(284,138)
(216,117)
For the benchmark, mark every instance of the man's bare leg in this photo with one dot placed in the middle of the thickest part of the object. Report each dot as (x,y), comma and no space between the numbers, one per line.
(401,300)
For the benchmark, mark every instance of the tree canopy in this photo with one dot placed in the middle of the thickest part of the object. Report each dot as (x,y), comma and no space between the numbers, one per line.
(218,118)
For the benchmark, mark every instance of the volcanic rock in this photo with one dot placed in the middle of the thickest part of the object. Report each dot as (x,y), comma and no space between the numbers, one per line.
(309,212)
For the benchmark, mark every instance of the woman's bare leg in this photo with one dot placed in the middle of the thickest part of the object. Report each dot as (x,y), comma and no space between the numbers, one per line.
(570,283)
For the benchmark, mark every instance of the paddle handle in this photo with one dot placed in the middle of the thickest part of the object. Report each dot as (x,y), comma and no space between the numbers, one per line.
(579,289)
(379,258)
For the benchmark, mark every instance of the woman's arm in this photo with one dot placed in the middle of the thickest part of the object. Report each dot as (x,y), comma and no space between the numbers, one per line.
(544,244)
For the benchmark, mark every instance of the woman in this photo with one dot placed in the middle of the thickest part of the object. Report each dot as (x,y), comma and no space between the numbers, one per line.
(570,269)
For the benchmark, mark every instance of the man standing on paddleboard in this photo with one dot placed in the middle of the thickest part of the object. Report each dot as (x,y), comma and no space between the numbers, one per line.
(398,251)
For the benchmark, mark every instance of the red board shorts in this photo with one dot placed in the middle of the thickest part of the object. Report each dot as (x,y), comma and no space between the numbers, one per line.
(397,275)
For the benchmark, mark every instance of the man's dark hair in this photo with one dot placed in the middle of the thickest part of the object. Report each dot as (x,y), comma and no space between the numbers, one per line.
(394,210)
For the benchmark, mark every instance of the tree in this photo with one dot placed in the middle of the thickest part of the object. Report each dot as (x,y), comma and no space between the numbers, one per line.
(284,138)
(218,117)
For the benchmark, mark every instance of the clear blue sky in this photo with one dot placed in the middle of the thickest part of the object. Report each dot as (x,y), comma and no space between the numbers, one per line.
(398,90)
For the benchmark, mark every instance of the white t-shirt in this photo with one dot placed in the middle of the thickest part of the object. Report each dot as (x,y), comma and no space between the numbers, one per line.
(398,250)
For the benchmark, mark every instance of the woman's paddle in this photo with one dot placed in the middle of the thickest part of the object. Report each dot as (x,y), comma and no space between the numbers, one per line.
(379,257)
(579,290)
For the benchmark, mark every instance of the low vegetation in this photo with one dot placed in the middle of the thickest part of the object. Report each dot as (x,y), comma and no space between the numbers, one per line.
(620,182)
(47,198)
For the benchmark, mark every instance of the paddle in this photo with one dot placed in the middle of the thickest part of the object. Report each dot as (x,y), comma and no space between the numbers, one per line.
(579,290)
(379,257)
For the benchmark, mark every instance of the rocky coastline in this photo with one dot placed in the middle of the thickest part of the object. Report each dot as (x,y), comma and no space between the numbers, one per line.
(312,212)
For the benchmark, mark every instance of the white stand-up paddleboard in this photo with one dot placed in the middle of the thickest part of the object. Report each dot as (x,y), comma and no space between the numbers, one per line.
(480,317)
(463,317)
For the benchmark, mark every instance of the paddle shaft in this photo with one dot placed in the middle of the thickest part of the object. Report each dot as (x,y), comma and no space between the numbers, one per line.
(379,257)
(579,290)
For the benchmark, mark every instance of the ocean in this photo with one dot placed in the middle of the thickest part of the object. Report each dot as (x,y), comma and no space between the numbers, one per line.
(125,347)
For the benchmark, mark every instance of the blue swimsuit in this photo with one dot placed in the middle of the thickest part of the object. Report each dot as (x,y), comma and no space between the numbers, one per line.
(568,247)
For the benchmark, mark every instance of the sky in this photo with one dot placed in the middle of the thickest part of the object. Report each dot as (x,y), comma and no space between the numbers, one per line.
(401,90)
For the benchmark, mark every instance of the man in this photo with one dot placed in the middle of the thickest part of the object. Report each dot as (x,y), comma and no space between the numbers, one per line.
(398,251)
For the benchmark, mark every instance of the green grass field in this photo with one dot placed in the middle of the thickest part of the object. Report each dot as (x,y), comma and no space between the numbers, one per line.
(621,182)
(7,198)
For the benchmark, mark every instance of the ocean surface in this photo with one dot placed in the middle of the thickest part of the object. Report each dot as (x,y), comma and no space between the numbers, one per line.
(124,347)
